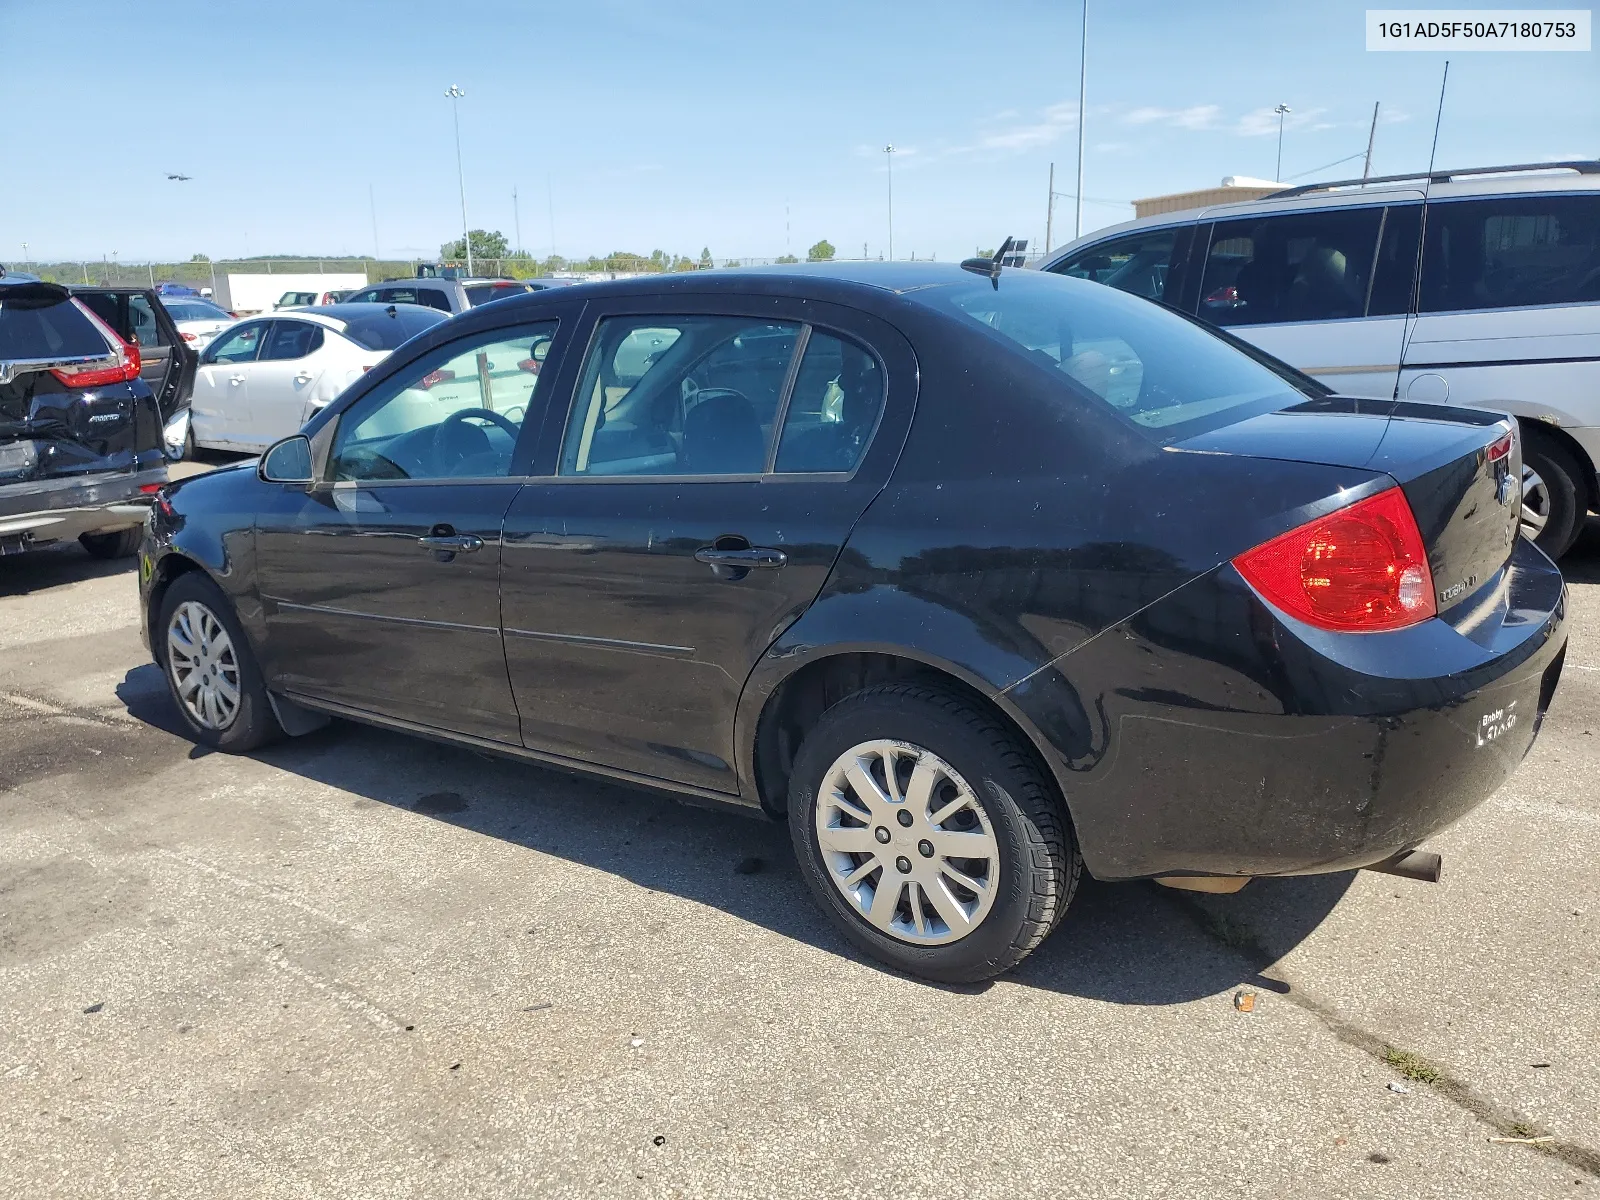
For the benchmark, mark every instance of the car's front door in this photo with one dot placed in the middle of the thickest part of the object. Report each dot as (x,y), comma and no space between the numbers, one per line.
(284,378)
(1327,290)
(380,585)
(701,485)
(221,405)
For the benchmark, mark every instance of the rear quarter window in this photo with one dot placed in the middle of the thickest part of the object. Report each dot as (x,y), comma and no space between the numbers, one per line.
(1511,252)
(31,330)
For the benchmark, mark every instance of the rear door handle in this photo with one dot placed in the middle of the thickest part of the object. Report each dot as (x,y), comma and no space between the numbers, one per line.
(761,558)
(302,378)
(235,378)
(454,543)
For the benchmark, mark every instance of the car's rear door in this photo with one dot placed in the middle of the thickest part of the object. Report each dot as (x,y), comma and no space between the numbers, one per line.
(673,534)
(167,365)
(284,378)
(1327,290)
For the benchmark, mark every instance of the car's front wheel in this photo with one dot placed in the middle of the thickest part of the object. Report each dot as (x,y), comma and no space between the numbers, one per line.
(928,834)
(211,672)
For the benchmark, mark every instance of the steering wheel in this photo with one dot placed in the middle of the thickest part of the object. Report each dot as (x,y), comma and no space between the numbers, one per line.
(449,429)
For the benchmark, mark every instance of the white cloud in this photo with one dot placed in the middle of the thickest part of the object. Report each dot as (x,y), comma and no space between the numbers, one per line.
(1049,127)
(1262,121)
(1198,116)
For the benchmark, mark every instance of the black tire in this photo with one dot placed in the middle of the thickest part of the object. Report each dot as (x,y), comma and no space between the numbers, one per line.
(119,544)
(253,723)
(188,443)
(1568,498)
(1038,860)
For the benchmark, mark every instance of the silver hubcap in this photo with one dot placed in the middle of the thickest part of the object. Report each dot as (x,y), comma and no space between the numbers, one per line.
(1535,504)
(204,668)
(906,842)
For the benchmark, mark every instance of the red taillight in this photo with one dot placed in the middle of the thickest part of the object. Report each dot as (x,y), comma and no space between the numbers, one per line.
(150,489)
(127,366)
(1225,296)
(190,337)
(434,378)
(530,365)
(1501,448)
(1362,569)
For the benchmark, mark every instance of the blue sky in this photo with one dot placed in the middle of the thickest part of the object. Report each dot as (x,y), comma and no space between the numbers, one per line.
(749,128)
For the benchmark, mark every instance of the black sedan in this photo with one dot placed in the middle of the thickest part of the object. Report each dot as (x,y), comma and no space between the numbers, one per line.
(981,578)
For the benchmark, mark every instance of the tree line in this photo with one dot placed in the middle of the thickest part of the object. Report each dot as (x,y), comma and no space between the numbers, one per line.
(491,245)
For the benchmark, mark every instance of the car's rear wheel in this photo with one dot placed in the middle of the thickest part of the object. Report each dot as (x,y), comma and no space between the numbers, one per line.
(119,544)
(211,672)
(1554,498)
(928,835)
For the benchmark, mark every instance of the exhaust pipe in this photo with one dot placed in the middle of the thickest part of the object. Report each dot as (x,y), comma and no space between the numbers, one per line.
(1422,865)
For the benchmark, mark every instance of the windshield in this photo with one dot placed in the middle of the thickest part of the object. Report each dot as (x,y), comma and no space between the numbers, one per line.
(1163,374)
(388,328)
(195,310)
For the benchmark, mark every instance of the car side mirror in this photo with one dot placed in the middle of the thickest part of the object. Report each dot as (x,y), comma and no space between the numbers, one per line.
(287,461)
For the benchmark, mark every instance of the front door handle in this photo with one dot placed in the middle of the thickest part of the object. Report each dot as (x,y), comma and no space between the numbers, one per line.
(235,378)
(302,378)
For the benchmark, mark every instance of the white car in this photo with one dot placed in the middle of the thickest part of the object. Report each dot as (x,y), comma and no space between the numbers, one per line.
(197,320)
(1496,305)
(262,378)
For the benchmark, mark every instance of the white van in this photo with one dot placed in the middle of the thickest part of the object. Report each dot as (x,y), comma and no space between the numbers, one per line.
(1478,287)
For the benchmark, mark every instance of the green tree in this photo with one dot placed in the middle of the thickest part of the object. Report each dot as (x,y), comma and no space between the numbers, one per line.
(705,263)
(485,244)
(200,258)
(821,252)
(787,258)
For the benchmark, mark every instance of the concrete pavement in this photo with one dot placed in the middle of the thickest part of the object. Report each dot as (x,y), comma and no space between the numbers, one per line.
(363,965)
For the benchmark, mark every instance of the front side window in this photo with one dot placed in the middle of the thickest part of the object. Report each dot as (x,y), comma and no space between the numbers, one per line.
(1510,252)
(291,339)
(1160,372)
(684,395)
(1308,266)
(837,400)
(453,414)
(238,345)
(1138,263)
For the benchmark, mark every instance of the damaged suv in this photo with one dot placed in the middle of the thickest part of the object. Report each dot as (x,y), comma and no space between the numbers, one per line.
(82,440)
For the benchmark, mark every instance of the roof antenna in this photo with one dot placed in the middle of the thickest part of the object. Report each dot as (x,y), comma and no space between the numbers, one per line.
(990,267)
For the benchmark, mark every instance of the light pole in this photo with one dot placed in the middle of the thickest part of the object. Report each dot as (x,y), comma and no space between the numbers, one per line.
(455,94)
(24,256)
(1083,89)
(888,157)
(1282,110)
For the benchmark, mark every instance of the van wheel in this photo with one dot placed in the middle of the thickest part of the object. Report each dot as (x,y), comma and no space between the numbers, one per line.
(1553,496)
(211,672)
(112,545)
(928,835)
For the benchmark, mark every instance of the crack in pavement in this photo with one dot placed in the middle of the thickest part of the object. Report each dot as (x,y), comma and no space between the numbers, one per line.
(1238,938)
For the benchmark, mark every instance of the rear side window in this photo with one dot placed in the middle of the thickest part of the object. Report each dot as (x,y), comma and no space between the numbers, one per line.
(1139,263)
(1511,252)
(1306,266)
(107,307)
(142,321)
(59,330)
(1159,371)
(836,402)
(292,339)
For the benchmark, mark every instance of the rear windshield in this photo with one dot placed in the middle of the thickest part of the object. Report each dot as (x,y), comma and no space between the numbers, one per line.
(194,310)
(1163,374)
(482,293)
(29,329)
(388,329)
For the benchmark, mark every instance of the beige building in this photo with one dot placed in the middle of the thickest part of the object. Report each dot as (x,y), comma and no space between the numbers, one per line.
(1235,189)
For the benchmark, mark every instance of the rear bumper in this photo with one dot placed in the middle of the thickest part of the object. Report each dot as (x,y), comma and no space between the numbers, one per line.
(53,510)
(1211,736)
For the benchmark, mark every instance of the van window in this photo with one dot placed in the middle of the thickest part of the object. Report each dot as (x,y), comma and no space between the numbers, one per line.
(1394,279)
(1511,252)
(1304,266)
(1139,263)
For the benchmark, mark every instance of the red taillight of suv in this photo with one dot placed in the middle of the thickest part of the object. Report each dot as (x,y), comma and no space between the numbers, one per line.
(1361,569)
(94,375)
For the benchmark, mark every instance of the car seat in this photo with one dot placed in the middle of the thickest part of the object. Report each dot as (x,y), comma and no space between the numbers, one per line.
(722,436)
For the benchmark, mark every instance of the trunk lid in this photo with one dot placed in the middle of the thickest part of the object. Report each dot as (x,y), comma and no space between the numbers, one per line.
(1460,469)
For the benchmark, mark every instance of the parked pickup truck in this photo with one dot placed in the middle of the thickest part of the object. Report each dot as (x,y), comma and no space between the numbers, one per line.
(84,444)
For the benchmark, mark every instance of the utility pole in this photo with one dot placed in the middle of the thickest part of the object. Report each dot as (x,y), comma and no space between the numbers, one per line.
(1281,110)
(1366,167)
(888,157)
(550,195)
(516,215)
(1050,208)
(1083,92)
(455,94)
